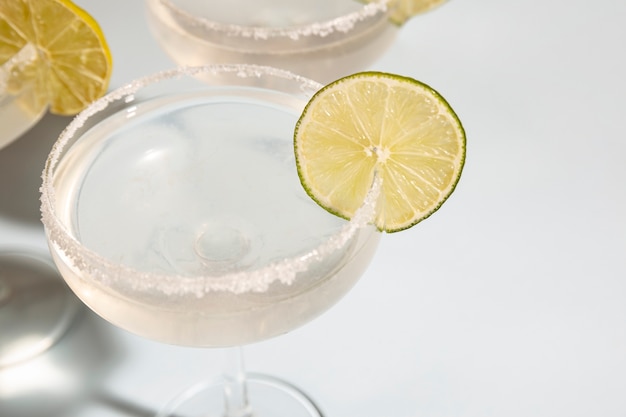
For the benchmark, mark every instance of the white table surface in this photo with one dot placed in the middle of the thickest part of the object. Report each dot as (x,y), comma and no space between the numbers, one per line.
(510,301)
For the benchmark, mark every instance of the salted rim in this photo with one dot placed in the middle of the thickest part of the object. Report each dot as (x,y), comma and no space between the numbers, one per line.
(323,28)
(256,280)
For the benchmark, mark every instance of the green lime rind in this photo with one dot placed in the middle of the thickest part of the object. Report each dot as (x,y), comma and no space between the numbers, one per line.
(400,11)
(382,222)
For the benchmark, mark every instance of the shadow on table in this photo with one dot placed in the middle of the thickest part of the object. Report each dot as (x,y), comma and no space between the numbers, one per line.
(21,163)
(64,377)
(123,406)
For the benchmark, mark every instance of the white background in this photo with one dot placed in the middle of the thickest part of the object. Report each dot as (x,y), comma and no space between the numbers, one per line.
(509,301)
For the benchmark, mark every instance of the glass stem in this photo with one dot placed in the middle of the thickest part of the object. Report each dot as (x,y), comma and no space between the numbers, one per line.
(235,386)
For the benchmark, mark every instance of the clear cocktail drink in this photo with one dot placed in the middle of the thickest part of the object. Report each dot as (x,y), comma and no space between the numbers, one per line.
(321,39)
(182,219)
(20,106)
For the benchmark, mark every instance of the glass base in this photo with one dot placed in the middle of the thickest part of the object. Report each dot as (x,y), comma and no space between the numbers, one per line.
(36,306)
(267,397)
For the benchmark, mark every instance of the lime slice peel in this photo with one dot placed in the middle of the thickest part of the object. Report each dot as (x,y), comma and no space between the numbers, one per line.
(379,124)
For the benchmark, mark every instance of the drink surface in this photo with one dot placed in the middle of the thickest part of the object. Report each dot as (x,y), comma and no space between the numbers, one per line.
(200,186)
(319,39)
(270,13)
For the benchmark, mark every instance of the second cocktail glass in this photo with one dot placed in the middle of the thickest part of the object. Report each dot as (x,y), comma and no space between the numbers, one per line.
(320,39)
(173,209)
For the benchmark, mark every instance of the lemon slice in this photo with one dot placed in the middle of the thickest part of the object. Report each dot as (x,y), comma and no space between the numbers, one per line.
(375,123)
(68,63)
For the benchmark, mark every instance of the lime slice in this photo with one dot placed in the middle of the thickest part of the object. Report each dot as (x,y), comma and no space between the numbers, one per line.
(375,123)
(403,10)
(68,61)
(406,9)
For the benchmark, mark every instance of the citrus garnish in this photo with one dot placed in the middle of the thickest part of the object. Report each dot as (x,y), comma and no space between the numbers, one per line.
(403,10)
(68,61)
(406,9)
(375,123)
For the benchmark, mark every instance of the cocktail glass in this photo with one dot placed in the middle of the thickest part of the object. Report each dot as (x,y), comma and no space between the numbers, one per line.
(20,107)
(36,307)
(319,39)
(173,209)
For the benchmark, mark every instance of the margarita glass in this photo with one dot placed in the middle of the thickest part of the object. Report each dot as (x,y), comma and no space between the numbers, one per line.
(36,307)
(173,209)
(320,39)
(20,108)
